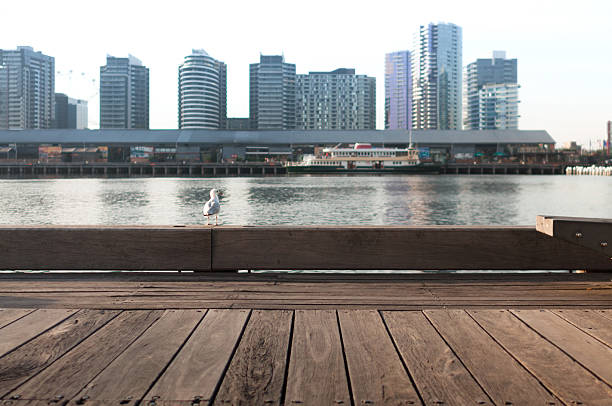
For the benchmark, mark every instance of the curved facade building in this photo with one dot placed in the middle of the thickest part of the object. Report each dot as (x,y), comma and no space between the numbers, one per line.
(202,92)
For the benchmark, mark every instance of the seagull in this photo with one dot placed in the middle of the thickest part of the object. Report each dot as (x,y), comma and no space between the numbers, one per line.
(212,207)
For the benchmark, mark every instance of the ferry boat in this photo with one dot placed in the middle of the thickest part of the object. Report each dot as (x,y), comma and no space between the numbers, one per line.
(363,158)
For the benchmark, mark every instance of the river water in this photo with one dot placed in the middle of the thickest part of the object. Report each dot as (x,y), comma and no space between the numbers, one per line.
(306,200)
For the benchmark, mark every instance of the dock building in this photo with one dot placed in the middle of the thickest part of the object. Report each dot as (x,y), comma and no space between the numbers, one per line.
(114,145)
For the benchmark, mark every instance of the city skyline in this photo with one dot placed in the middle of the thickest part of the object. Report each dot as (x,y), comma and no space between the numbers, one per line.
(564,85)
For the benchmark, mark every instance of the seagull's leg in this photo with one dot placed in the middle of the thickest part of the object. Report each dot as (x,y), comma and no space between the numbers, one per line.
(207,220)
(216,220)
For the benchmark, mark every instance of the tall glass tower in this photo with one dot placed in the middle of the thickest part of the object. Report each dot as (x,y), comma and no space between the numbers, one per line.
(398,91)
(124,93)
(491,96)
(436,73)
(27,89)
(202,97)
(272,95)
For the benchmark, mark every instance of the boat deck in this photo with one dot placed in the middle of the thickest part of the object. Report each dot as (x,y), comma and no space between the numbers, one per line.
(307,339)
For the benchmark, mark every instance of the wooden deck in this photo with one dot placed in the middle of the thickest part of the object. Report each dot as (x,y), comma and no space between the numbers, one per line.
(309,339)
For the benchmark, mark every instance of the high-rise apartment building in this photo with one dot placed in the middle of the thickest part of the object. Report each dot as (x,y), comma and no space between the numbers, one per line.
(336,100)
(398,91)
(69,112)
(124,93)
(202,93)
(436,76)
(272,94)
(491,94)
(27,88)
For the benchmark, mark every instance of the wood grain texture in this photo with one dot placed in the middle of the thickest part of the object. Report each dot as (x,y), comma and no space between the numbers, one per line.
(585,232)
(257,371)
(72,372)
(438,247)
(199,367)
(564,377)
(438,374)
(29,359)
(130,375)
(29,327)
(8,316)
(500,375)
(376,373)
(591,322)
(588,351)
(317,374)
(100,247)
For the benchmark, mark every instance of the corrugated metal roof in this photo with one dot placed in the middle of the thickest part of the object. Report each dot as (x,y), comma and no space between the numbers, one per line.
(294,137)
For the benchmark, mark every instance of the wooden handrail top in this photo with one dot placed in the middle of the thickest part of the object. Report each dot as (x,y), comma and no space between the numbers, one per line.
(220,248)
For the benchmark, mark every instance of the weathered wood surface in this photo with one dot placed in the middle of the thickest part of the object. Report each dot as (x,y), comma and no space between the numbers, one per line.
(282,247)
(105,247)
(78,367)
(492,367)
(376,372)
(8,316)
(199,367)
(394,247)
(591,353)
(439,375)
(35,355)
(559,373)
(317,374)
(257,371)
(591,322)
(591,233)
(130,375)
(306,291)
(303,357)
(30,326)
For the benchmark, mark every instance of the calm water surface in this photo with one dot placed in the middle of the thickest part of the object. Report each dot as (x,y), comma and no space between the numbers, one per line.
(370,200)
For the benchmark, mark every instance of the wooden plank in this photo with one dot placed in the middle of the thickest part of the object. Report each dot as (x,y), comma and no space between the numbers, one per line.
(29,359)
(7,316)
(197,370)
(72,372)
(591,233)
(317,375)
(257,371)
(588,351)
(29,327)
(436,247)
(438,374)
(502,377)
(376,373)
(591,322)
(105,247)
(564,377)
(130,375)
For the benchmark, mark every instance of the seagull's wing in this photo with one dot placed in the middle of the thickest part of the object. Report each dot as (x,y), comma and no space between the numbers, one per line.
(207,208)
(214,207)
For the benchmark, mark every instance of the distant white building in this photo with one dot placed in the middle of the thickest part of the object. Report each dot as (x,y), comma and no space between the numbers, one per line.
(498,106)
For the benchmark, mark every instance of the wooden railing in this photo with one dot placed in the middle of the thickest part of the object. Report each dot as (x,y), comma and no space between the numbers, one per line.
(554,244)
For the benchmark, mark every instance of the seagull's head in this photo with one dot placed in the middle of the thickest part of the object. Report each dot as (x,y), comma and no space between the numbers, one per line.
(213,193)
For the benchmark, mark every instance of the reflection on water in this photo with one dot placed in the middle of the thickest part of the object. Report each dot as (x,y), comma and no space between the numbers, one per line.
(376,200)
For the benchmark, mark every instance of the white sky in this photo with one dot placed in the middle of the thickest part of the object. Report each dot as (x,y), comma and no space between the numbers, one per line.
(564,48)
